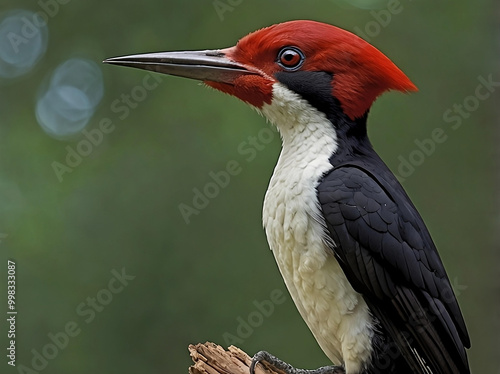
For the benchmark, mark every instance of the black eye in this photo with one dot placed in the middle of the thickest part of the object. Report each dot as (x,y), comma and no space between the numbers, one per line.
(291,58)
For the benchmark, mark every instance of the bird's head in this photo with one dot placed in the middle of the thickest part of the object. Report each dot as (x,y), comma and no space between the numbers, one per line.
(297,54)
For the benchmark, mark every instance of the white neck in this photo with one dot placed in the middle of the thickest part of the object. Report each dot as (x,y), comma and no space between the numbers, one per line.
(296,231)
(299,122)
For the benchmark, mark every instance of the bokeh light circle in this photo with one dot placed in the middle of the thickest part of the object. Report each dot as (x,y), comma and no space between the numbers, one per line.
(71,98)
(23,42)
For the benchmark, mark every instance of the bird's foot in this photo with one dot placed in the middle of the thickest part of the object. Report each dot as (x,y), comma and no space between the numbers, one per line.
(275,362)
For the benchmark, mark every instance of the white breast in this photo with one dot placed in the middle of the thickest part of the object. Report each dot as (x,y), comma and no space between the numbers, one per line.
(337,316)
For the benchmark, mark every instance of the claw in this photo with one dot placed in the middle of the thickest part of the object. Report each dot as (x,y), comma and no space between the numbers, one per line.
(257,358)
(252,365)
(289,369)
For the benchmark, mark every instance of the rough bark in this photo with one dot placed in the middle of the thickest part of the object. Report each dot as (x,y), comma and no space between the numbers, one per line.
(210,358)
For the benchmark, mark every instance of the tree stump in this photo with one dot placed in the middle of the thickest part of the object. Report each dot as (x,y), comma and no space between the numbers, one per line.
(210,358)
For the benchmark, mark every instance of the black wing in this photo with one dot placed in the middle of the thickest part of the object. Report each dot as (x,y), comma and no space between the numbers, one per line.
(387,254)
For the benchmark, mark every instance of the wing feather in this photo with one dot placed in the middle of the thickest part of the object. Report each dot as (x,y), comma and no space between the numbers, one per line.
(388,255)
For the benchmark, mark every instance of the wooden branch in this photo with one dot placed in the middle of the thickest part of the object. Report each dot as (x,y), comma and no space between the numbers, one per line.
(210,358)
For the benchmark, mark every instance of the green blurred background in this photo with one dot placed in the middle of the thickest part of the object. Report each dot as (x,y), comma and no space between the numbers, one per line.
(119,207)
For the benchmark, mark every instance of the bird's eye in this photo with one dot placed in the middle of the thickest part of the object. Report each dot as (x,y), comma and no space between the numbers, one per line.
(291,58)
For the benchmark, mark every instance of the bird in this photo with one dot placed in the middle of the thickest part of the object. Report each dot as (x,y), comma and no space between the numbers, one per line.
(353,251)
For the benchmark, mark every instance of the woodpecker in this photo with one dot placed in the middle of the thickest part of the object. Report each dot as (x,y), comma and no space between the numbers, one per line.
(353,250)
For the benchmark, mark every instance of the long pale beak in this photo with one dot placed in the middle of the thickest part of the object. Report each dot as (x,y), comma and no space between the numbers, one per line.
(208,65)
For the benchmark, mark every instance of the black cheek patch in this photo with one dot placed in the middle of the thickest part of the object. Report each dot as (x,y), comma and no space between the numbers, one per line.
(316,87)
(313,86)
